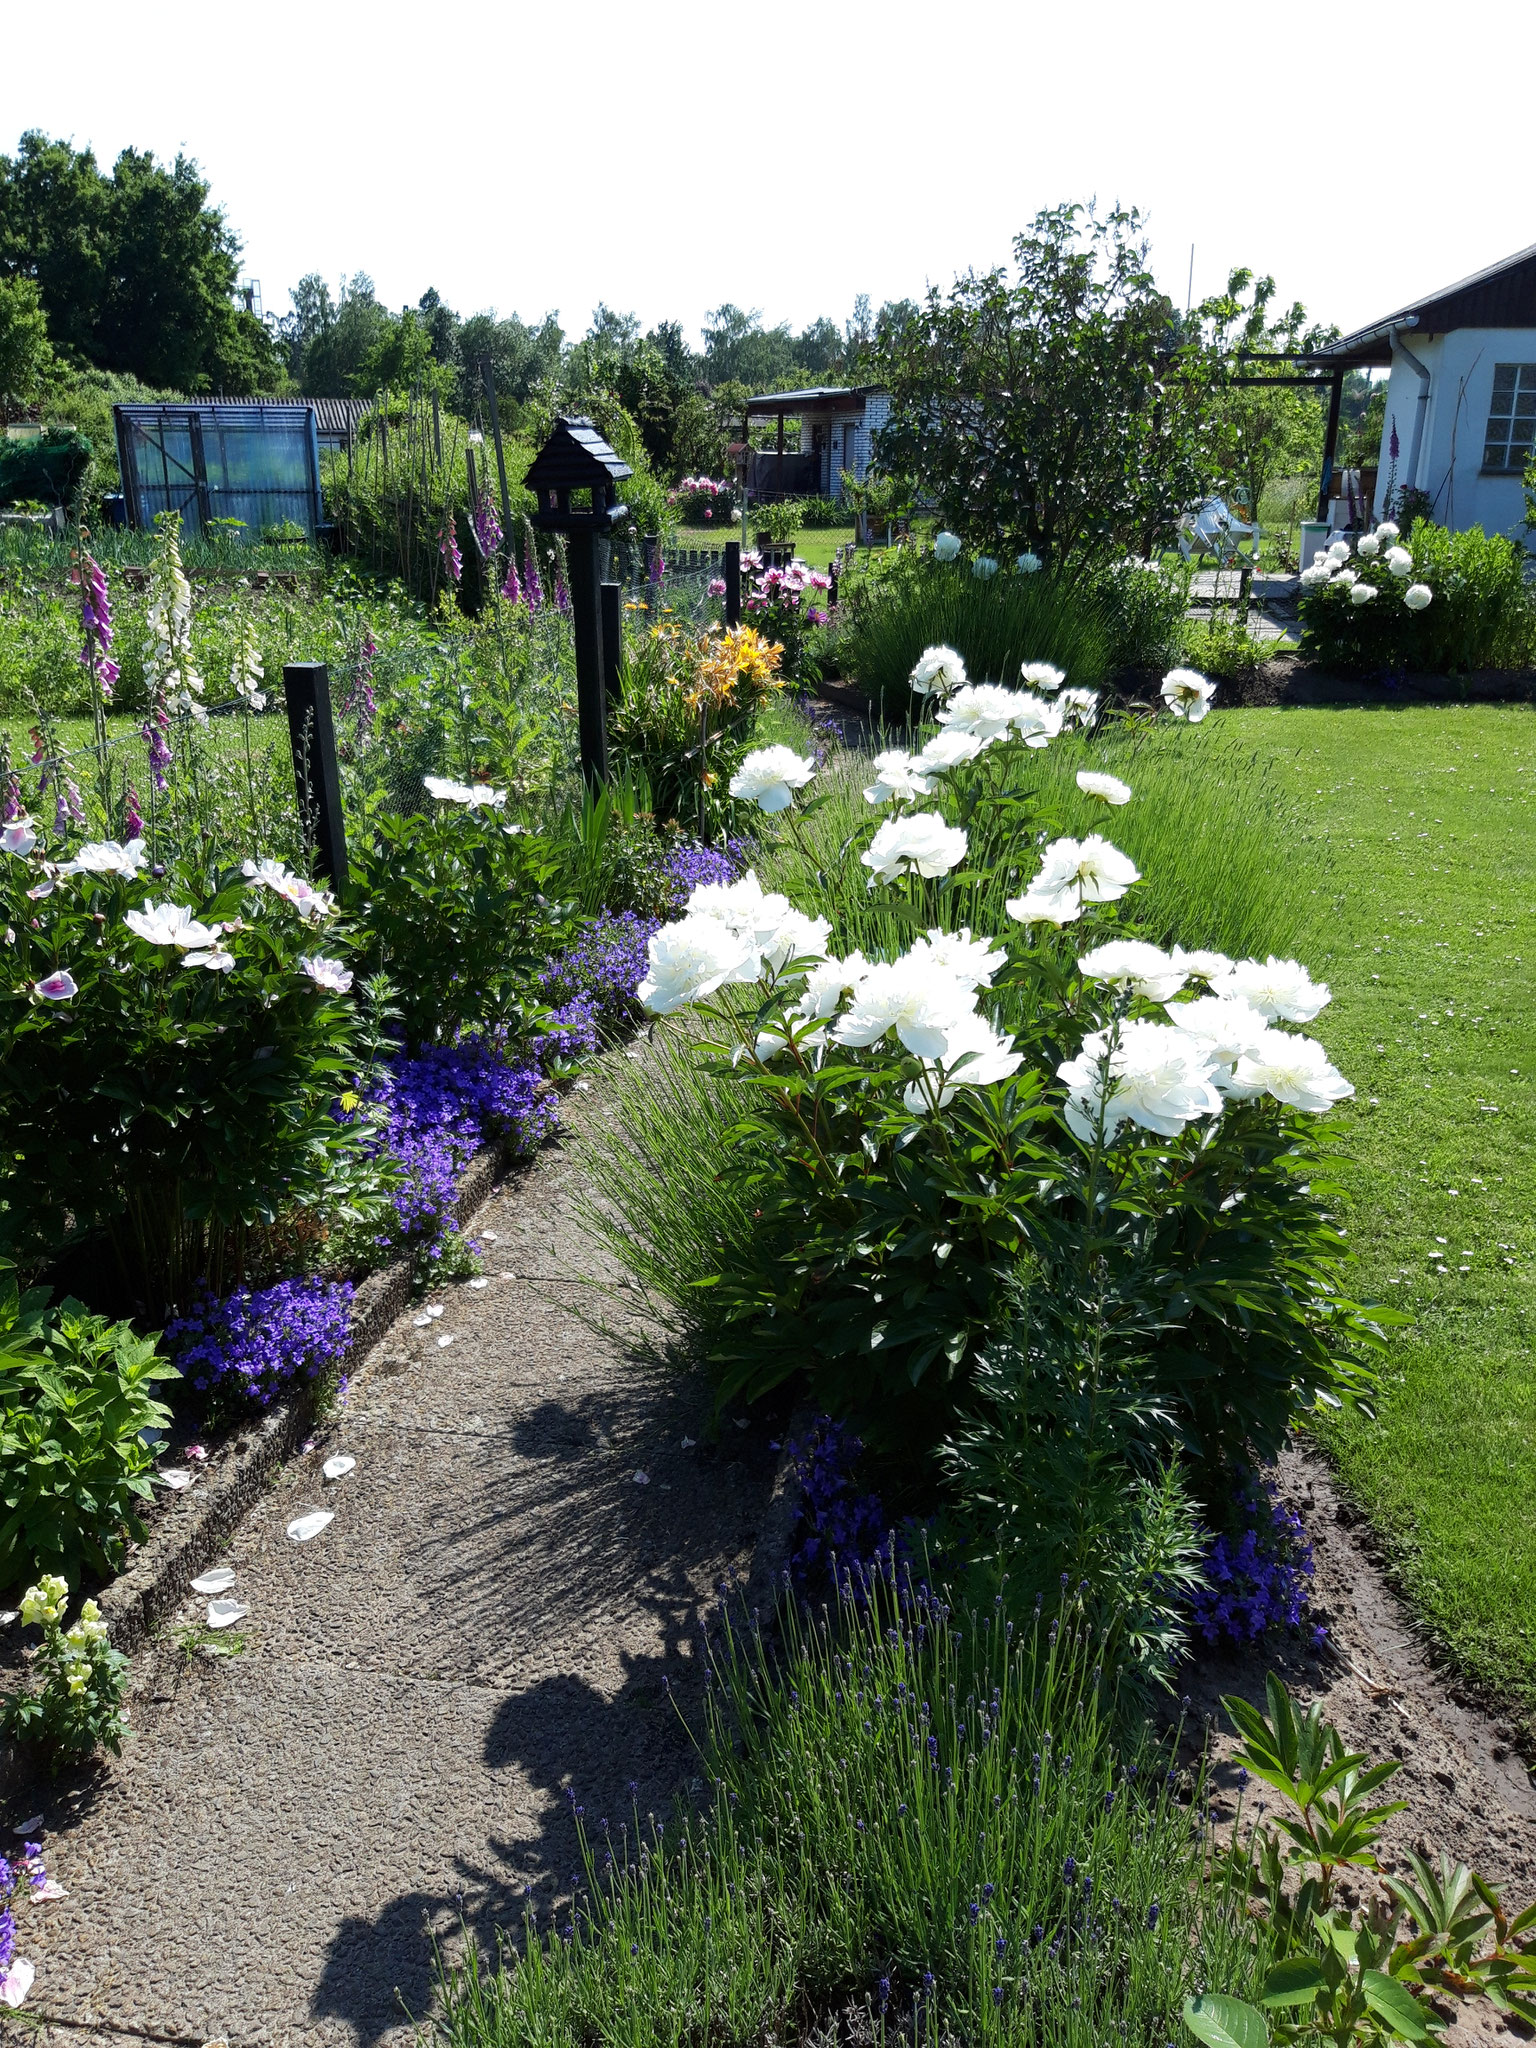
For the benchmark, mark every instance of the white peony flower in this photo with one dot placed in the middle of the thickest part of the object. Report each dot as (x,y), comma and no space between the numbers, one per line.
(1417,596)
(1074,872)
(1201,963)
(1362,593)
(472,795)
(1144,969)
(911,997)
(1368,546)
(214,958)
(897,776)
(106,857)
(311,903)
(1187,694)
(920,843)
(972,962)
(946,546)
(690,959)
(1339,552)
(984,568)
(1028,564)
(828,982)
(978,1056)
(1400,562)
(984,709)
(325,973)
(1320,572)
(938,670)
(760,920)
(1388,530)
(1347,578)
(1294,1070)
(769,777)
(1227,1027)
(1078,708)
(171,924)
(948,750)
(1109,789)
(1036,722)
(1276,988)
(1158,1077)
(794,937)
(1043,675)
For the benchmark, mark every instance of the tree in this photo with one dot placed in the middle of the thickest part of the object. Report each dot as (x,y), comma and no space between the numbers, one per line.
(442,326)
(1263,431)
(26,359)
(819,349)
(1065,409)
(136,272)
(522,356)
(738,349)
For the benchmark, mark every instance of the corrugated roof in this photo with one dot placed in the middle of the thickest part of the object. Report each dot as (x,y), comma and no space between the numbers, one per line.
(818,394)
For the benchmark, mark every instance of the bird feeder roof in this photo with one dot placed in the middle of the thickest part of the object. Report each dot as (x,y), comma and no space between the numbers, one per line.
(574,457)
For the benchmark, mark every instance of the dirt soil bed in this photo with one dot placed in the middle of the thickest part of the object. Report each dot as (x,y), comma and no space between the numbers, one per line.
(1287,679)
(1467,1790)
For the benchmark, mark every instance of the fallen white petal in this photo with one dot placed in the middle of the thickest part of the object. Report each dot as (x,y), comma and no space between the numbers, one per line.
(224,1613)
(218,1581)
(480,1282)
(422,1320)
(177,1481)
(50,1889)
(687,1443)
(444,1342)
(9,1616)
(29,1827)
(338,1467)
(490,1237)
(305,1526)
(17,1982)
(435,1310)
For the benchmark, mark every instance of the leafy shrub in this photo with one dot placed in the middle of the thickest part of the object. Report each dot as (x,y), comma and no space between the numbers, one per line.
(79,1706)
(1224,645)
(779,522)
(452,910)
(173,1054)
(913,601)
(255,1342)
(75,1392)
(1442,602)
(916,1813)
(1141,606)
(817,514)
(51,468)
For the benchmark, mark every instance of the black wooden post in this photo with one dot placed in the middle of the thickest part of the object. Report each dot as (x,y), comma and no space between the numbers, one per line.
(489,382)
(613,639)
(312,736)
(733,583)
(586,626)
(1330,443)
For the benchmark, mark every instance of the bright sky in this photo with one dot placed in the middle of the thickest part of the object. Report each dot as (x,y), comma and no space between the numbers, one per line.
(663,159)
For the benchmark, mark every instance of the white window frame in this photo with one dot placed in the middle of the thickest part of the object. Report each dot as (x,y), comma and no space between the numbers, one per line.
(1511,423)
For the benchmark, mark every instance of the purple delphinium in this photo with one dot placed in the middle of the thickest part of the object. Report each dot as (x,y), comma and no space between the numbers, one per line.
(1257,1578)
(837,1522)
(256,1341)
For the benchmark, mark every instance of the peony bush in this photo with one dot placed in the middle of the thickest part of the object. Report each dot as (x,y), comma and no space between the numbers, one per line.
(1431,601)
(1055,1124)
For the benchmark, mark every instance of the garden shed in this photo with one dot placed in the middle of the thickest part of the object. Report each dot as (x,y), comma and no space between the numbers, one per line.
(1460,423)
(836,425)
(255,461)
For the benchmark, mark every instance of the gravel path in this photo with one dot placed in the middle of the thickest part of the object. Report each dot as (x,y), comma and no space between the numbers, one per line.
(487,1620)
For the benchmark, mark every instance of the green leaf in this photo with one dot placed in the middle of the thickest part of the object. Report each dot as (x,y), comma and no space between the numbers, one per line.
(1221,2021)
(1394,2003)
(1296,1981)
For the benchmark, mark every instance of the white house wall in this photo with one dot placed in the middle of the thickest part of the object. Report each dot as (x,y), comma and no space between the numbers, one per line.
(1460,366)
(865,419)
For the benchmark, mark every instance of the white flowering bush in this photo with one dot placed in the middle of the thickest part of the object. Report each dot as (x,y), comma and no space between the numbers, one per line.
(944,1115)
(1432,600)
(173,1043)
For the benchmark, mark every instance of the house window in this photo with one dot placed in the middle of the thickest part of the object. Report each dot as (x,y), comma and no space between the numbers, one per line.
(1511,417)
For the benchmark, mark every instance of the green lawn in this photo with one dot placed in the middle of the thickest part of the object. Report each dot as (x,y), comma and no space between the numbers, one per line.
(815,545)
(1426,930)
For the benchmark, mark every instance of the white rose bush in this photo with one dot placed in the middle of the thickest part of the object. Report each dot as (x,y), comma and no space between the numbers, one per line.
(971,1081)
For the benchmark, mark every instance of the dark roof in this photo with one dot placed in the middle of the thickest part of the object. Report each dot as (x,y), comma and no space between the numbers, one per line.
(819,395)
(1503,295)
(574,457)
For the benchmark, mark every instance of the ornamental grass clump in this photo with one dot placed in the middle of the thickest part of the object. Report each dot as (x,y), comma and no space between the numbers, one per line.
(915,1823)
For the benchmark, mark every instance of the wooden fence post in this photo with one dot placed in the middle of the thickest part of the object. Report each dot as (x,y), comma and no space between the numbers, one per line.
(613,639)
(312,736)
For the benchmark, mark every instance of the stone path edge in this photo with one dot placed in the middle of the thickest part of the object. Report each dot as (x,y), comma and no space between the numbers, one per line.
(202,1521)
